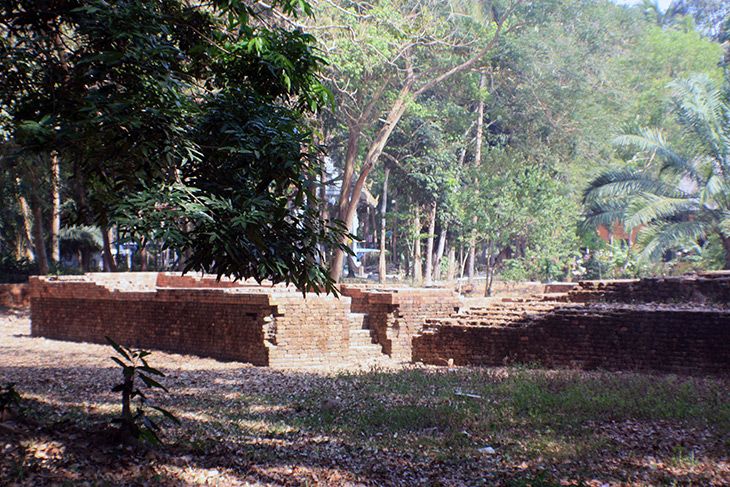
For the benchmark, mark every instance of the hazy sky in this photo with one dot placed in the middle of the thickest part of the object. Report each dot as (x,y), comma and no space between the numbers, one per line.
(662,3)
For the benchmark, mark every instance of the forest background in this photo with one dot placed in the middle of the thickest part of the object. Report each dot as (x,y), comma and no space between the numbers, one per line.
(527,140)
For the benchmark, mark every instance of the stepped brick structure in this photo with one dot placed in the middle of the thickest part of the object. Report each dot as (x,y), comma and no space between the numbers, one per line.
(678,324)
(242,321)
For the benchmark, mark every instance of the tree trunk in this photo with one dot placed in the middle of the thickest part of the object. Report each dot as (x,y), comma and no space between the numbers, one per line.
(348,206)
(394,259)
(429,243)
(477,163)
(472,255)
(382,268)
(109,264)
(417,264)
(85,258)
(41,257)
(726,246)
(451,271)
(56,208)
(489,273)
(27,226)
(440,253)
(143,256)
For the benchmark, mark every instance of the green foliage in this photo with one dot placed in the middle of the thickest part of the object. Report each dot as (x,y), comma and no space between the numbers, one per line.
(687,199)
(521,206)
(15,270)
(138,425)
(192,118)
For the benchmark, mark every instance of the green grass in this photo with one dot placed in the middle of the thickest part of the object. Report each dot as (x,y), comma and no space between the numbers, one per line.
(551,413)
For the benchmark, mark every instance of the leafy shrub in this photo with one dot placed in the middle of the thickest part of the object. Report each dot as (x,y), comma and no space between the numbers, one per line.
(9,398)
(137,426)
(13,270)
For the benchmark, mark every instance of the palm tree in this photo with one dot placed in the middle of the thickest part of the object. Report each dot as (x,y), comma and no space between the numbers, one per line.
(84,240)
(687,197)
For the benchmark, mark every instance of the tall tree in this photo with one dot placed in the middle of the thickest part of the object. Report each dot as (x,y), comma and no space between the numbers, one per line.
(403,50)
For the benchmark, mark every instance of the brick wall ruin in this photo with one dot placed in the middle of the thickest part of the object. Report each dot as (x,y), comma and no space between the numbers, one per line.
(638,324)
(396,315)
(633,324)
(243,321)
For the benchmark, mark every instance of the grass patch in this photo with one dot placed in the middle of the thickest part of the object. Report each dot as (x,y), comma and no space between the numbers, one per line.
(518,426)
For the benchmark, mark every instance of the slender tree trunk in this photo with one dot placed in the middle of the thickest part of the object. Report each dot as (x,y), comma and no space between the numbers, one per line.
(85,259)
(39,239)
(394,259)
(440,252)
(109,264)
(489,273)
(451,270)
(477,163)
(470,262)
(726,246)
(56,208)
(348,207)
(27,227)
(407,261)
(382,268)
(366,229)
(417,264)
(429,243)
(143,257)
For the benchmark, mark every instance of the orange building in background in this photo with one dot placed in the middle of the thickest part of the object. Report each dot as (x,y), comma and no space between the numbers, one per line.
(618,231)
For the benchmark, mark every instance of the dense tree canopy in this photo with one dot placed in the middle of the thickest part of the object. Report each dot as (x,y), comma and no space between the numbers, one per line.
(468,127)
(177,121)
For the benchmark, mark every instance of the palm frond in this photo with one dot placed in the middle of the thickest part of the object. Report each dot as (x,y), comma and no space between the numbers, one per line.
(652,141)
(701,106)
(82,234)
(716,193)
(627,183)
(649,208)
(656,239)
(607,219)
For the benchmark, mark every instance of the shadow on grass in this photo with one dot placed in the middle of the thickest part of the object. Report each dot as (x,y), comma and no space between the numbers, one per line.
(418,426)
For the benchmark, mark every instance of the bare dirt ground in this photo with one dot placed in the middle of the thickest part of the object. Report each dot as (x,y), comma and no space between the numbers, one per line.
(252,426)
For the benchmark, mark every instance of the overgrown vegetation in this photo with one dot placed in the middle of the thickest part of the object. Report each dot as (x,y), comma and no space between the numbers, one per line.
(239,140)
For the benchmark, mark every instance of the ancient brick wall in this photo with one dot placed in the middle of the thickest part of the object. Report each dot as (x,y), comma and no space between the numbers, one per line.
(660,338)
(204,322)
(263,326)
(397,314)
(701,288)
(311,331)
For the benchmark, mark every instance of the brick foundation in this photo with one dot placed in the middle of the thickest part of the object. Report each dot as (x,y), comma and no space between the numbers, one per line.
(242,321)
(631,324)
(397,314)
(612,328)
(611,337)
